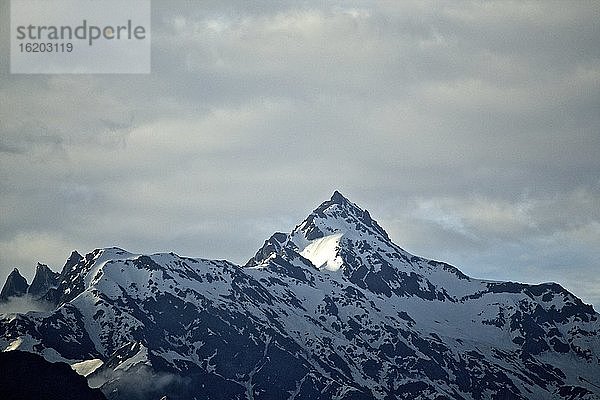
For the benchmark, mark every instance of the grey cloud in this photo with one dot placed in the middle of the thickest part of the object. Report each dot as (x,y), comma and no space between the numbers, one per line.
(485,114)
(533,240)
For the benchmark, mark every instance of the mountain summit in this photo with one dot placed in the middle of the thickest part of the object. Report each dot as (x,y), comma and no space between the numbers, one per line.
(339,214)
(331,310)
(15,285)
(323,229)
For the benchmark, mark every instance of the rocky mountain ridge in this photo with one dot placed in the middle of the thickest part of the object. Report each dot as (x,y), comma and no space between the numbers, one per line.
(16,285)
(332,310)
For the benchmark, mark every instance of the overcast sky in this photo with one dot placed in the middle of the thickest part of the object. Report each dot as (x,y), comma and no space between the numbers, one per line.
(470,130)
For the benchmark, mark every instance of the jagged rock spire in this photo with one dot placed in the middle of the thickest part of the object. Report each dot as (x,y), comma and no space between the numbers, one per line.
(16,285)
(43,280)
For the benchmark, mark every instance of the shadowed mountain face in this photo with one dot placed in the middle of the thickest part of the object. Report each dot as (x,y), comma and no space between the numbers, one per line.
(15,286)
(332,310)
(43,281)
(27,376)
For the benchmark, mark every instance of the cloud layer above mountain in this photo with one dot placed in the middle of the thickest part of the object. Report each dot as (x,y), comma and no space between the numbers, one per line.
(470,130)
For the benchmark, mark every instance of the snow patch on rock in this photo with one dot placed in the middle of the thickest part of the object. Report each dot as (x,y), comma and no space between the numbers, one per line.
(323,252)
(84,368)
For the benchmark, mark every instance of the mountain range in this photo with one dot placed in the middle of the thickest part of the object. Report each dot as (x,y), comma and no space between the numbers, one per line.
(331,310)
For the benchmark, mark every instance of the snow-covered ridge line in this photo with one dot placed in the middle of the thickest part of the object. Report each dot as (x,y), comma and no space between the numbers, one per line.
(345,312)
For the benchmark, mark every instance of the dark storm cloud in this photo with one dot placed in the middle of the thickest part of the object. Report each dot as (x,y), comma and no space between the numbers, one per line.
(470,130)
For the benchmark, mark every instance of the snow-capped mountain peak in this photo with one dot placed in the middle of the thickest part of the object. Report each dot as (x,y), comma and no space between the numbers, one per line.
(321,238)
(338,214)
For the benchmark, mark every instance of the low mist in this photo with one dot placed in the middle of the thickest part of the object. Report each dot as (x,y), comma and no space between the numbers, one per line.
(23,304)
